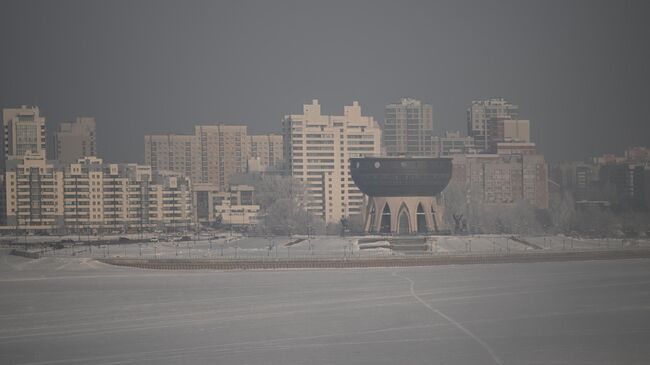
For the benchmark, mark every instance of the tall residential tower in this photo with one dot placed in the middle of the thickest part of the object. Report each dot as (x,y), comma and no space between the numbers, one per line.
(408,128)
(75,140)
(318,149)
(24,132)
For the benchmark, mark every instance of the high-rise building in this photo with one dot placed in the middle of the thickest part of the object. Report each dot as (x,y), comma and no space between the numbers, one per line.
(408,128)
(174,152)
(24,132)
(223,152)
(75,140)
(265,152)
(212,155)
(317,150)
(479,115)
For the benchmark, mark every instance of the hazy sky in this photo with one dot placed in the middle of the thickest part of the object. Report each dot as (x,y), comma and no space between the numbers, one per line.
(579,70)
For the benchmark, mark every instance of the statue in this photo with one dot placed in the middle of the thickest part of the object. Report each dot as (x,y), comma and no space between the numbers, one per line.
(460,224)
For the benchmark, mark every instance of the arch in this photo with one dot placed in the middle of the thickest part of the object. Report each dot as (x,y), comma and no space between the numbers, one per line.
(385,220)
(421,219)
(403,221)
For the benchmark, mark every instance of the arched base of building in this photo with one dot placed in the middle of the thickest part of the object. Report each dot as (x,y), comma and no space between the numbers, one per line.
(403,215)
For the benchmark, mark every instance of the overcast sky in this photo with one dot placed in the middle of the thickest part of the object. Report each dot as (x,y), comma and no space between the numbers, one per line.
(579,70)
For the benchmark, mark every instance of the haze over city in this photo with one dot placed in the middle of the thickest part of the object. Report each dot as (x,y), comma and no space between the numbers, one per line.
(151,67)
(324,182)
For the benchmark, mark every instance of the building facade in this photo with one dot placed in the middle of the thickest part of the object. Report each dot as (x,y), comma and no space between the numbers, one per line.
(213,154)
(174,152)
(75,140)
(317,150)
(91,195)
(479,115)
(502,179)
(235,206)
(408,128)
(24,132)
(453,144)
(265,152)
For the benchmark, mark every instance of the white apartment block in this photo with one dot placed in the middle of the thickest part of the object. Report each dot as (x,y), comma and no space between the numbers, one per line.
(318,148)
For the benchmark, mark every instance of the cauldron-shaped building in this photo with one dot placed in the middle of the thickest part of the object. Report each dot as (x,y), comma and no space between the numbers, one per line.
(404,192)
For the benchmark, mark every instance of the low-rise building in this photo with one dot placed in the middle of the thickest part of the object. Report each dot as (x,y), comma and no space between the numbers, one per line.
(235,206)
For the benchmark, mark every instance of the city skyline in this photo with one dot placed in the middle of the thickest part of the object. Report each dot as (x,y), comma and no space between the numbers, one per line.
(251,63)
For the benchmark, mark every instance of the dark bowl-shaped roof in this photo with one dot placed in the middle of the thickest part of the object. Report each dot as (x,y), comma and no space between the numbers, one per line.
(400,176)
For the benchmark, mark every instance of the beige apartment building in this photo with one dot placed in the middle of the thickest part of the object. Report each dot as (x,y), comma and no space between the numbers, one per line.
(318,148)
(174,152)
(75,140)
(24,132)
(34,194)
(265,152)
(213,154)
(92,195)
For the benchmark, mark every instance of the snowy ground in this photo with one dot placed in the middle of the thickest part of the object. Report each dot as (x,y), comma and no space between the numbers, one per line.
(58,310)
(315,247)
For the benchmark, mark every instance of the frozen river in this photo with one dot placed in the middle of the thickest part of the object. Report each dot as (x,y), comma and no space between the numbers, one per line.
(77,311)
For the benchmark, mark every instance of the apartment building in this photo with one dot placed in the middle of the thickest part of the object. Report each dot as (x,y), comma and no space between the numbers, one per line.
(213,154)
(174,152)
(318,148)
(75,140)
(408,128)
(24,132)
(502,179)
(452,144)
(34,195)
(479,115)
(265,152)
(92,195)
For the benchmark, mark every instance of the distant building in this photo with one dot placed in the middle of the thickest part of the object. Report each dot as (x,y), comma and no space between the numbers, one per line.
(224,150)
(576,176)
(502,179)
(502,131)
(174,152)
(266,152)
(408,128)
(481,112)
(625,180)
(453,144)
(75,140)
(213,154)
(24,132)
(318,149)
